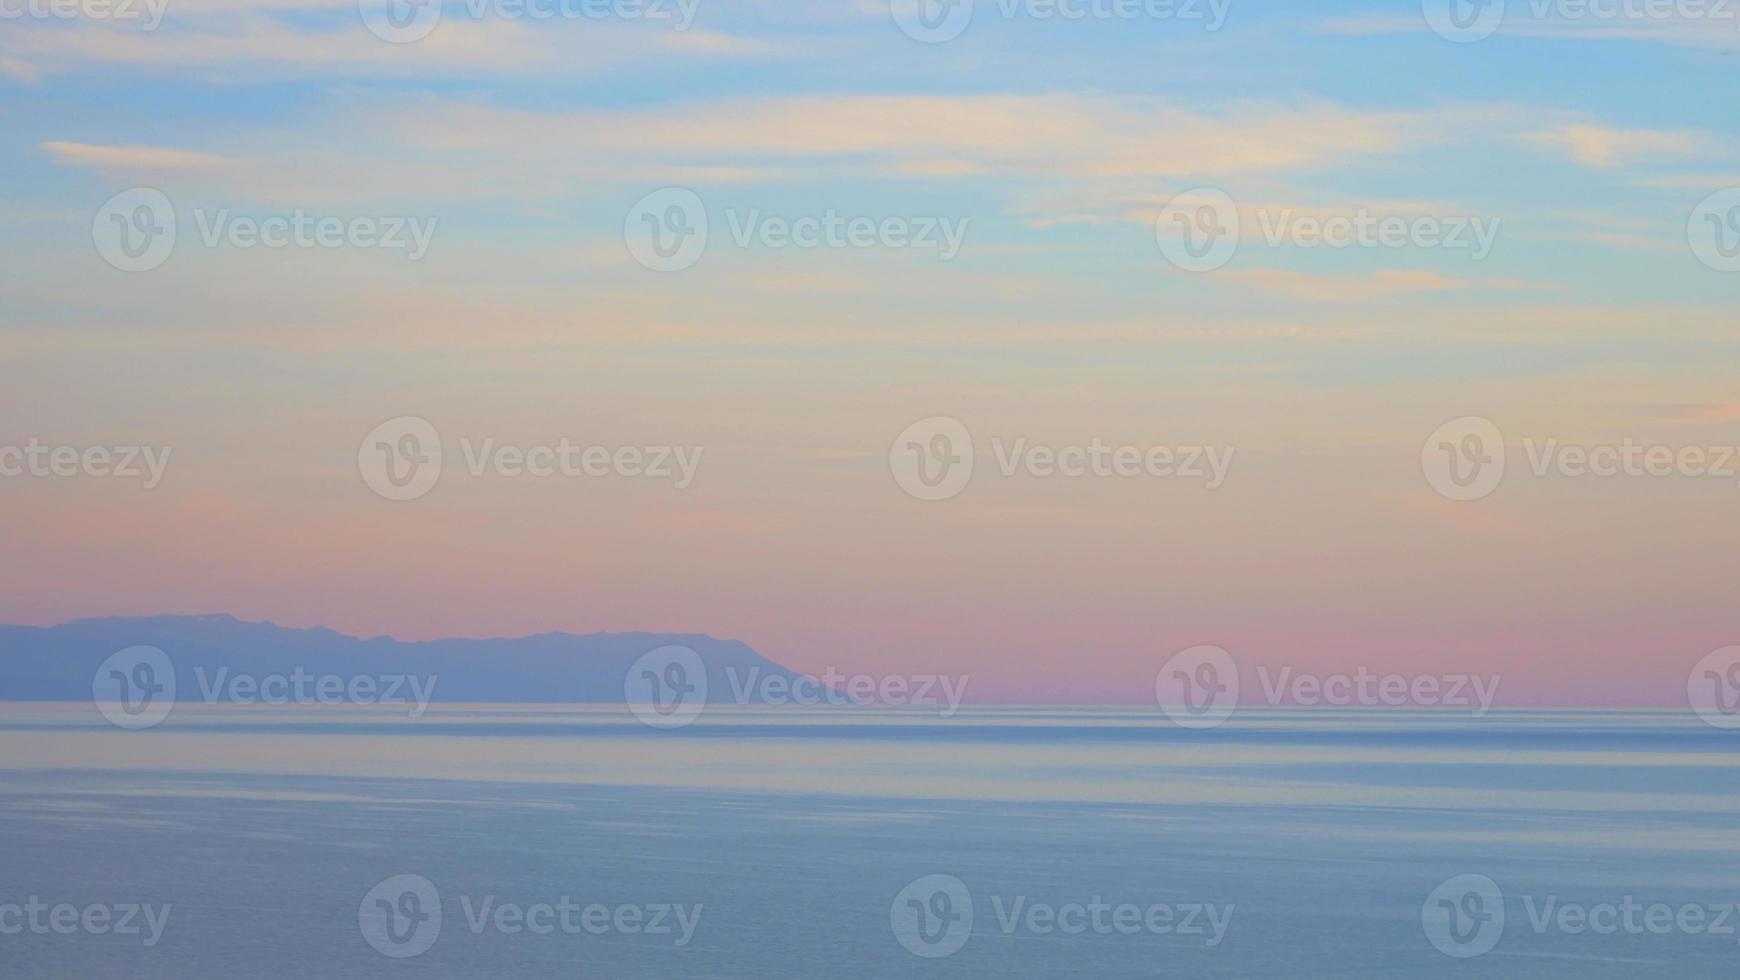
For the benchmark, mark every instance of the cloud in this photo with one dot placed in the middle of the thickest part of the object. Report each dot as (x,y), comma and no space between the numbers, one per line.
(130,161)
(1702,31)
(1601,147)
(1051,135)
(1713,31)
(262,47)
(1630,241)
(1651,234)
(221,39)
(438,149)
(1695,412)
(23,71)
(1098,204)
(1383,284)
(1705,183)
(713,42)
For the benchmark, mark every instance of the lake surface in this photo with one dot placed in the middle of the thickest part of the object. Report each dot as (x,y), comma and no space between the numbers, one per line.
(803,843)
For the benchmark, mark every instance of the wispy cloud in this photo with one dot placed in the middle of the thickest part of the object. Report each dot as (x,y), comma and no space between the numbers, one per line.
(1603,147)
(1705,183)
(1638,234)
(1383,284)
(1679,27)
(131,161)
(445,149)
(242,41)
(1696,412)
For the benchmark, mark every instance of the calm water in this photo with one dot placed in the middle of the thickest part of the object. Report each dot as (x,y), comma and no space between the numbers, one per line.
(568,842)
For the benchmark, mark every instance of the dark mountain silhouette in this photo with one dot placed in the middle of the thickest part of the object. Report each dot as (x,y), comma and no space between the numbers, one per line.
(58,662)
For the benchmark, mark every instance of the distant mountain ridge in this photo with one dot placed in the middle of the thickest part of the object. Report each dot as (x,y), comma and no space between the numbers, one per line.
(58,663)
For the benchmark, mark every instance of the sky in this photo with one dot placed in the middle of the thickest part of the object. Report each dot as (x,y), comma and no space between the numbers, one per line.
(550,162)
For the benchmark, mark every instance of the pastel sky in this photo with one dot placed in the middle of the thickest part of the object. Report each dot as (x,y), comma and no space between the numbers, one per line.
(1592,320)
